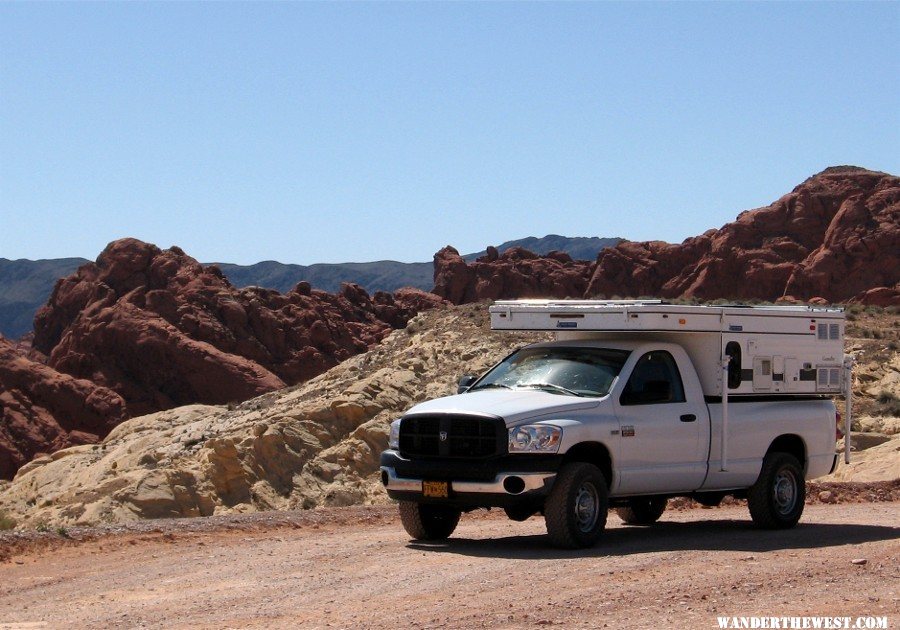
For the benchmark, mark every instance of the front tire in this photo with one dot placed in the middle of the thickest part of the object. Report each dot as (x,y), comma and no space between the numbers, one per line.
(642,510)
(776,499)
(576,510)
(423,521)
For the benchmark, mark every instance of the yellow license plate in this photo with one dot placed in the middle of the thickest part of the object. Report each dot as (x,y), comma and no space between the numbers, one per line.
(436,489)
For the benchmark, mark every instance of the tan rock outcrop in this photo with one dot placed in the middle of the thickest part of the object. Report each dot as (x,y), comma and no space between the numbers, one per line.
(314,444)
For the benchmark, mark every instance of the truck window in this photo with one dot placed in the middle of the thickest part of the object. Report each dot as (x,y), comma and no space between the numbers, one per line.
(575,370)
(655,380)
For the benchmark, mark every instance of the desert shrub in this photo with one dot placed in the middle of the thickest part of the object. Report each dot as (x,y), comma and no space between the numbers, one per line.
(888,404)
(6,522)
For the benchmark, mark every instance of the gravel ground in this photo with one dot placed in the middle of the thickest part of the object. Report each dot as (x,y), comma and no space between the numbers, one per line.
(356,568)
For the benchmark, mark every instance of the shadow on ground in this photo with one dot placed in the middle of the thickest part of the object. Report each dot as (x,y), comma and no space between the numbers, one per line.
(711,535)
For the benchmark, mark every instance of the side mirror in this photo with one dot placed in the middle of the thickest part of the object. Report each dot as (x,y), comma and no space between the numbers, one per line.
(465,383)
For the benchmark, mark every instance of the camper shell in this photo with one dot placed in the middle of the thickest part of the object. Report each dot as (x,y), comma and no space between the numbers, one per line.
(773,350)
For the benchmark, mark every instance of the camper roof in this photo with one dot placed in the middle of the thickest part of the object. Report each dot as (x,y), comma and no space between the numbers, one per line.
(656,315)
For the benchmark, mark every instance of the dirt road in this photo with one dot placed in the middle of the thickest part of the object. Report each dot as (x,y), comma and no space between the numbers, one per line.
(355,568)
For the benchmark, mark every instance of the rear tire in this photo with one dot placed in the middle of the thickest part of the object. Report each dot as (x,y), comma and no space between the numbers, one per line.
(428,522)
(776,499)
(576,510)
(643,510)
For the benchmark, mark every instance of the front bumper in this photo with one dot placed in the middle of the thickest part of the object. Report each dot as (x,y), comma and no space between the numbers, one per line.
(500,482)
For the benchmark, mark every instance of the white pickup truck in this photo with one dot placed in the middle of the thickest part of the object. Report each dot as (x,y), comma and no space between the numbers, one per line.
(634,403)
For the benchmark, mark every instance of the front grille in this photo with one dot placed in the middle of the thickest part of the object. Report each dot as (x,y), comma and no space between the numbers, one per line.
(463,436)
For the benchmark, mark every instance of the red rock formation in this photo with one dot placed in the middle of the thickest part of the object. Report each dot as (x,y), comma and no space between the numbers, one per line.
(515,273)
(835,237)
(42,410)
(162,330)
(881,296)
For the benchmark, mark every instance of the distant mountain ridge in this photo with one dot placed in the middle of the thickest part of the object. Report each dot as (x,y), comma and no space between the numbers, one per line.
(381,275)
(25,285)
(390,275)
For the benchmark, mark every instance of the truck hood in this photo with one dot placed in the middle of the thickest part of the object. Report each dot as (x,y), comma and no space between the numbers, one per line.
(513,406)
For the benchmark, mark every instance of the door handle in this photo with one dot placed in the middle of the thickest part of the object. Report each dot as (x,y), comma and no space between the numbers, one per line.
(688,417)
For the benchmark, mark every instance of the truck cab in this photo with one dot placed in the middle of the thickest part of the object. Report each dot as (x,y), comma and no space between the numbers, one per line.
(604,417)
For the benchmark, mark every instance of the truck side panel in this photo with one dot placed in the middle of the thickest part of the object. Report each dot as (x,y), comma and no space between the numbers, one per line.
(754,425)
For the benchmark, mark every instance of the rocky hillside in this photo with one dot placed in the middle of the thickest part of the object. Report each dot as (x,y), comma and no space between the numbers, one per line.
(145,329)
(162,330)
(313,444)
(835,237)
(318,443)
(26,284)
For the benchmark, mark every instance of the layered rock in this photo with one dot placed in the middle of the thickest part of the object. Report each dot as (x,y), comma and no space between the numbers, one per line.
(162,330)
(835,237)
(42,410)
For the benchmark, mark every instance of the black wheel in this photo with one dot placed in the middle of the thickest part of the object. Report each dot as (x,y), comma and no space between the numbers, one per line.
(428,522)
(577,507)
(519,513)
(776,499)
(642,510)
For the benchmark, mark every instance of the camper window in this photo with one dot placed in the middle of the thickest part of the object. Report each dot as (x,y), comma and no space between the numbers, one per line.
(733,350)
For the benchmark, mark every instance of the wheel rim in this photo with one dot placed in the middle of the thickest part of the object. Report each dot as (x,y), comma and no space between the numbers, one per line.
(785,491)
(587,504)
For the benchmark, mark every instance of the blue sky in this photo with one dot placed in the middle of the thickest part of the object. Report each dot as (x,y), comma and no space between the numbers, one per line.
(313,132)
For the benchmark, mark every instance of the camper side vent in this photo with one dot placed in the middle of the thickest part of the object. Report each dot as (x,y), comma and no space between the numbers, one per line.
(823,332)
(828,379)
(834,331)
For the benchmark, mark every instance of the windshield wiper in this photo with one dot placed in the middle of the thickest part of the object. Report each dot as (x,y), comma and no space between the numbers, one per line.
(554,387)
(489,385)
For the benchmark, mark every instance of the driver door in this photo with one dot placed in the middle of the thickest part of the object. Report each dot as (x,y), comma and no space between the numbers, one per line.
(661,442)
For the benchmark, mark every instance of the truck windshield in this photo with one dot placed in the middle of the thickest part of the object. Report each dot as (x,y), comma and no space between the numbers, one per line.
(559,370)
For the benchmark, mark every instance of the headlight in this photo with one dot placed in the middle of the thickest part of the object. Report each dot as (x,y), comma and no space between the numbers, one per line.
(534,438)
(394,439)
